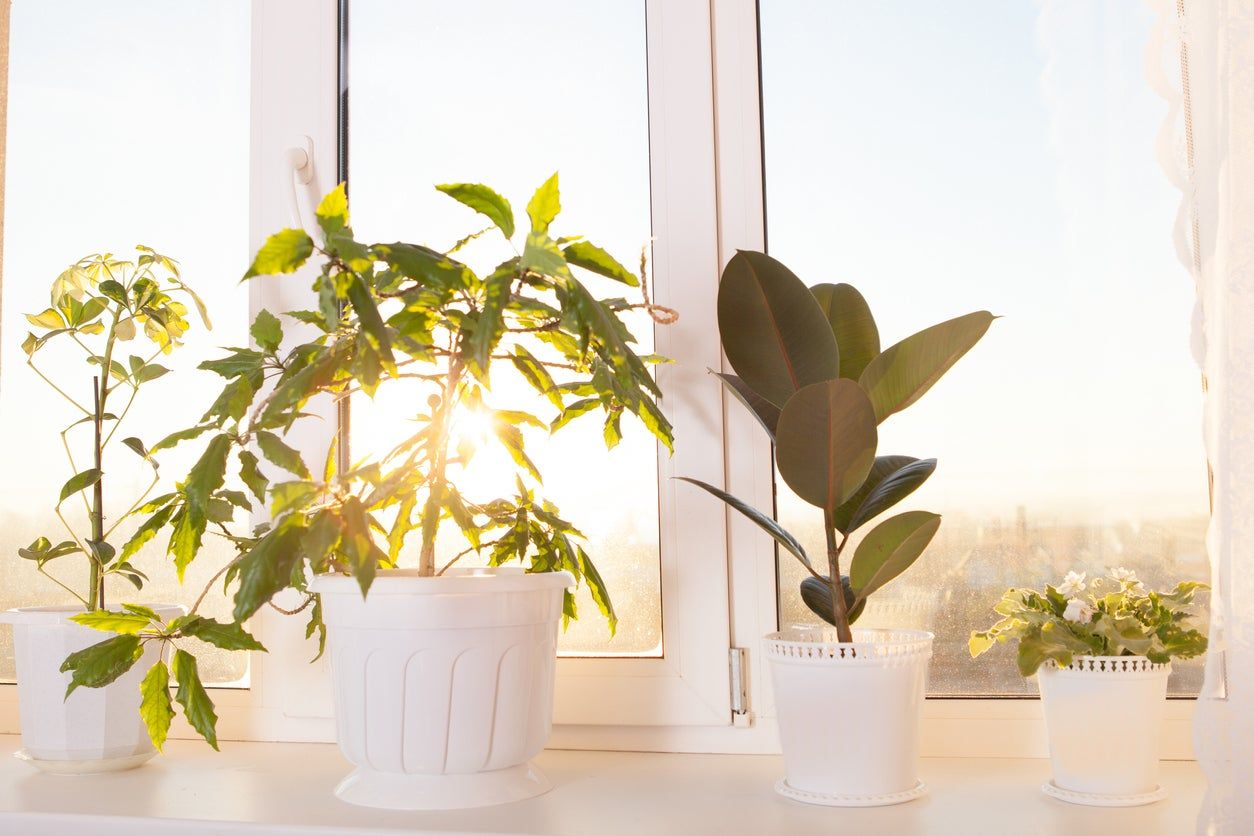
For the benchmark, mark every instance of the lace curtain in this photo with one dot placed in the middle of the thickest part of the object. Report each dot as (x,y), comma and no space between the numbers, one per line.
(1202,61)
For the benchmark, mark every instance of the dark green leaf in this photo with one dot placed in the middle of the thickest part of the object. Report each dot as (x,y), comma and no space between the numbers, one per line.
(773,331)
(267,568)
(191,694)
(761,520)
(252,476)
(856,335)
(274,449)
(766,412)
(884,467)
(78,482)
(825,442)
(102,663)
(905,371)
(817,595)
(890,548)
(368,313)
(267,331)
(229,636)
(891,490)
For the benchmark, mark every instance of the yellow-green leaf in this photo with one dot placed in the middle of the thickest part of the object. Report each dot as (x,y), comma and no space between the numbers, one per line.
(283,252)
(155,706)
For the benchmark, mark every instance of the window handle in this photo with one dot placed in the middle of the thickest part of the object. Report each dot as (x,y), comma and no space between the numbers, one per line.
(297,169)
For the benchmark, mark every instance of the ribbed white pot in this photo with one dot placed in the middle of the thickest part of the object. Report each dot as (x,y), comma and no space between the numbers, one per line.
(443,687)
(849,714)
(1103,715)
(95,729)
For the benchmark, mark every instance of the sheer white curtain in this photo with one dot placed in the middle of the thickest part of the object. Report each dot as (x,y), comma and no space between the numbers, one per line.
(1204,64)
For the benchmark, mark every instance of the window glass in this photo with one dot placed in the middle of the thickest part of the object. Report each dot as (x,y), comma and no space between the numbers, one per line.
(128,124)
(947,158)
(435,96)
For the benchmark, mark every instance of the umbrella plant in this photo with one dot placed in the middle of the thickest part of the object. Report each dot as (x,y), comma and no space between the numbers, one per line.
(406,315)
(809,367)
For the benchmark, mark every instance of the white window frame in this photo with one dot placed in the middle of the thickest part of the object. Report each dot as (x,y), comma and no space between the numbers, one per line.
(719,585)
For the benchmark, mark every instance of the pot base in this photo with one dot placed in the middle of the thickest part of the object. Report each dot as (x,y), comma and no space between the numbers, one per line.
(395,791)
(86,767)
(828,800)
(1092,799)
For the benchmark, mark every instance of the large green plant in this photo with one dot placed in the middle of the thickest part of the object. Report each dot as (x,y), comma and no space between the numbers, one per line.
(406,315)
(109,321)
(809,367)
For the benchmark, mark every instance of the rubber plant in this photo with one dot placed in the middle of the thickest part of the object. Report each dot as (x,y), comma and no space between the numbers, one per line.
(402,314)
(809,367)
(118,317)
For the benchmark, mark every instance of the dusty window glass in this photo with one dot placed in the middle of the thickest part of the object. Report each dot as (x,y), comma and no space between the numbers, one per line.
(128,124)
(434,96)
(999,155)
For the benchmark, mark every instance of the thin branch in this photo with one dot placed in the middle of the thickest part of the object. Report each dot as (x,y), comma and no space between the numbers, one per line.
(58,389)
(47,575)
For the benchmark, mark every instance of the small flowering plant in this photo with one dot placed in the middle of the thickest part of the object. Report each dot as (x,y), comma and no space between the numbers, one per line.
(1118,617)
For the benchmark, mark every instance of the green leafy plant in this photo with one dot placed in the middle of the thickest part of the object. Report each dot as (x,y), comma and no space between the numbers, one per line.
(117,318)
(407,315)
(1118,617)
(808,366)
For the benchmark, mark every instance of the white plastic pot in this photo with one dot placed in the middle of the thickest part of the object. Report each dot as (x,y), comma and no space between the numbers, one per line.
(95,729)
(849,714)
(1103,715)
(443,687)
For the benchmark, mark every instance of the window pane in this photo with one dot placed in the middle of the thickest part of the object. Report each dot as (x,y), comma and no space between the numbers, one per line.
(128,124)
(437,97)
(999,156)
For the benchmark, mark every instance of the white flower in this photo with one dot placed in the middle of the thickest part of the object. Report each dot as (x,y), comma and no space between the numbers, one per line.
(1072,583)
(1078,610)
(1127,577)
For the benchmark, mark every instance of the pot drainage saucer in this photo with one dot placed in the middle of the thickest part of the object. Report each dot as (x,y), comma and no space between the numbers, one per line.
(1093,799)
(837,800)
(85,767)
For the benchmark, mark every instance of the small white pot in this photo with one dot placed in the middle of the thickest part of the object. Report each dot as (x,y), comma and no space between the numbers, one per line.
(849,714)
(95,729)
(1103,715)
(443,687)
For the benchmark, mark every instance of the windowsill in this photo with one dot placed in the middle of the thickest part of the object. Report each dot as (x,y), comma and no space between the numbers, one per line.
(285,788)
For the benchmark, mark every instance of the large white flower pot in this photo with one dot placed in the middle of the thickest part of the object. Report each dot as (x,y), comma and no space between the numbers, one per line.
(1103,715)
(849,714)
(443,687)
(95,729)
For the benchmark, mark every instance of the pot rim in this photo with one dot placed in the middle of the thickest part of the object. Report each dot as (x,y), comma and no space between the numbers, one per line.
(1108,666)
(61,613)
(492,580)
(878,647)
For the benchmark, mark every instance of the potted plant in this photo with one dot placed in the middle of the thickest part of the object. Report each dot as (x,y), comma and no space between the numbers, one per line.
(116,318)
(1102,660)
(808,366)
(443,675)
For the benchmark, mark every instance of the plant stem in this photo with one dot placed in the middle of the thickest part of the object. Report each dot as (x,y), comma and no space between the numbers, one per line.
(441,431)
(843,633)
(95,600)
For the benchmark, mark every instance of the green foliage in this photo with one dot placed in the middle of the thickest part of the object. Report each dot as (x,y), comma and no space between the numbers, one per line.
(808,366)
(155,707)
(102,663)
(1118,617)
(117,316)
(191,695)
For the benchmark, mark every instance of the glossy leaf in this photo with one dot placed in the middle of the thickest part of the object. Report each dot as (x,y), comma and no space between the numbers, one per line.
(890,548)
(905,371)
(758,518)
(156,707)
(825,442)
(228,636)
(759,407)
(817,596)
(852,324)
(773,331)
(485,201)
(191,694)
(886,492)
(79,481)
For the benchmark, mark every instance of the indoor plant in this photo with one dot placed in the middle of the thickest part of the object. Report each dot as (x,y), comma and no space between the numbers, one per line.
(1102,662)
(116,318)
(443,676)
(809,367)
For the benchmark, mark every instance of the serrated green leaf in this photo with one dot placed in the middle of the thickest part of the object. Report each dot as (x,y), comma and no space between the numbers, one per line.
(228,636)
(276,451)
(267,331)
(283,252)
(593,258)
(251,474)
(112,622)
(102,663)
(191,694)
(155,707)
